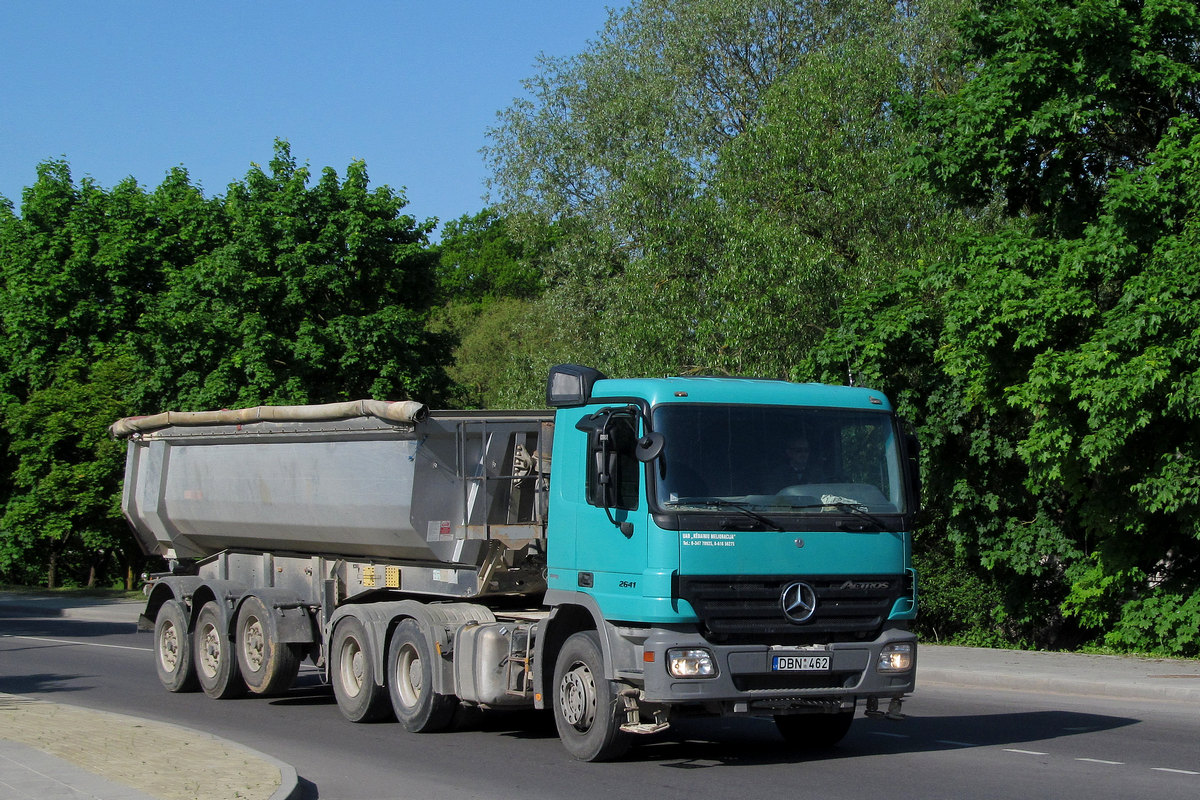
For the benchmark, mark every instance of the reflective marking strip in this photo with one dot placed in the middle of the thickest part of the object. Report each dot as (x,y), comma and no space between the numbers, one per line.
(956,744)
(1100,761)
(1176,771)
(1025,752)
(82,644)
(890,735)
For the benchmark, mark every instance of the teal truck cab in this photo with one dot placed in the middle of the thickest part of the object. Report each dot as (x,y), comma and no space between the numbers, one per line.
(725,574)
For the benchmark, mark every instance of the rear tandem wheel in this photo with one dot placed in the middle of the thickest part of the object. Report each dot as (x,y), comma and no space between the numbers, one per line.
(267,666)
(216,661)
(352,671)
(173,659)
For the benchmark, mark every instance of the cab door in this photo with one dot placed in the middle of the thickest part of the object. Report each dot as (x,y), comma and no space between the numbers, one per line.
(610,535)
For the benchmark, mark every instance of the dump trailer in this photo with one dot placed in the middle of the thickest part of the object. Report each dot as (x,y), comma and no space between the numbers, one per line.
(646,549)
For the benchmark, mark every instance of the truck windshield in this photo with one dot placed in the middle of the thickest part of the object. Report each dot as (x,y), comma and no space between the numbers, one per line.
(778,459)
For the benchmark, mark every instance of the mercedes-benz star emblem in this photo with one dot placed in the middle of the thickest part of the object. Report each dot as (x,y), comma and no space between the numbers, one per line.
(799,602)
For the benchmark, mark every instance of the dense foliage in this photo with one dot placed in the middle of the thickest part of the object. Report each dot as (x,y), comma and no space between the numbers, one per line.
(993,220)
(126,301)
(991,210)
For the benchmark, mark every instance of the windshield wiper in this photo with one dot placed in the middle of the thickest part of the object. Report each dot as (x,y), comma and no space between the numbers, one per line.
(851,508)
(718,502)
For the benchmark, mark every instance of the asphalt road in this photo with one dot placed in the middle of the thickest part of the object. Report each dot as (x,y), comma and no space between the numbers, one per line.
(957,743)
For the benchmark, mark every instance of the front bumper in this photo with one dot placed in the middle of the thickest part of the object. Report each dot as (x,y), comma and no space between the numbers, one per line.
(745,682)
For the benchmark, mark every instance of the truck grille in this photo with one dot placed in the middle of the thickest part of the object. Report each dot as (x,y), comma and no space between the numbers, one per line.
(747,608)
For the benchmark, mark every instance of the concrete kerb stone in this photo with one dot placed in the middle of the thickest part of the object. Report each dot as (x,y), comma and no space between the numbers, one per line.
(67,607)
(159,759)
(1117,677)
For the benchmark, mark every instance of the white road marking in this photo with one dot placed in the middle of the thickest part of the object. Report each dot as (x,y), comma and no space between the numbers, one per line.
(1176,771)
(70,641)
(1025,752)
(891,735)
(1101,761)
(956,744)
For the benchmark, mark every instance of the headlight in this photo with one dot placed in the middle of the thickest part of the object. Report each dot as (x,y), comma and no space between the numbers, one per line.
(691,663)
(896,657)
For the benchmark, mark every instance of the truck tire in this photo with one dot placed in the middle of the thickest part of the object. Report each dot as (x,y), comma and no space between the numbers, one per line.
(173,649)
(216,660)
(352,670)
(814,731)
(267,666)
(410,665)
(587,711)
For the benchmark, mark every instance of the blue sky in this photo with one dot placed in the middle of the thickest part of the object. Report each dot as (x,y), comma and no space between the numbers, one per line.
(125,88)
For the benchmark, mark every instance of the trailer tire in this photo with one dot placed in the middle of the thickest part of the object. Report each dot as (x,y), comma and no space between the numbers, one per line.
(360,698)
(410,666)
(267,665)
(814,731)
(215,656)
(587,710)
(173,649)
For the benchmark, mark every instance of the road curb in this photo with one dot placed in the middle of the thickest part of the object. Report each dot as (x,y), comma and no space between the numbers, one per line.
(1034,683)
(1110,676)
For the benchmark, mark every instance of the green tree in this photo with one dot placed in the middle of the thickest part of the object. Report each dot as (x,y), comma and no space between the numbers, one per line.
(79,267)
(616,145)
(477,260)
(491,287)
(815,207)
(1047,358)
(667,155)
(315,294)
(1066,95)
(63,522)
(123,301)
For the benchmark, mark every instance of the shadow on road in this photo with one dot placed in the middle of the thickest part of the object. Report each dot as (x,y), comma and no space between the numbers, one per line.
(699,744)
(41,625)
(45,682)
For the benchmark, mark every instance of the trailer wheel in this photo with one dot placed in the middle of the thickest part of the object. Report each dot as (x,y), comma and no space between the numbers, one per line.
(173,649)
(216,661)
(267,666)
(814,731)
(410,682)
(587,710)
(352,670)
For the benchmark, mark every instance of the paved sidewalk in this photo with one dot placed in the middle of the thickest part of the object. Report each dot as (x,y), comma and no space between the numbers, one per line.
(1122,677)
(48,750)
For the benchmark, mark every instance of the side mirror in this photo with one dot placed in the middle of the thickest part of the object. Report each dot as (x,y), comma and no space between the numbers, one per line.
(650,447)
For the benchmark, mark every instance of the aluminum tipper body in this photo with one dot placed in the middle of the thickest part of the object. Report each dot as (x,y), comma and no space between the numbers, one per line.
(711,546)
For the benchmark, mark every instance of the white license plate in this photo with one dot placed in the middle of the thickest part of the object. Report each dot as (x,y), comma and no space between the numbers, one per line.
(800,663)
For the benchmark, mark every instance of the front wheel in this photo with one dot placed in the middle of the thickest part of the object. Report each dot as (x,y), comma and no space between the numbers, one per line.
(587,711)
(814,731)
(410,682)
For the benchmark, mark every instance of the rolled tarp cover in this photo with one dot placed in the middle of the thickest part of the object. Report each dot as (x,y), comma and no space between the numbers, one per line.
(408,411)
